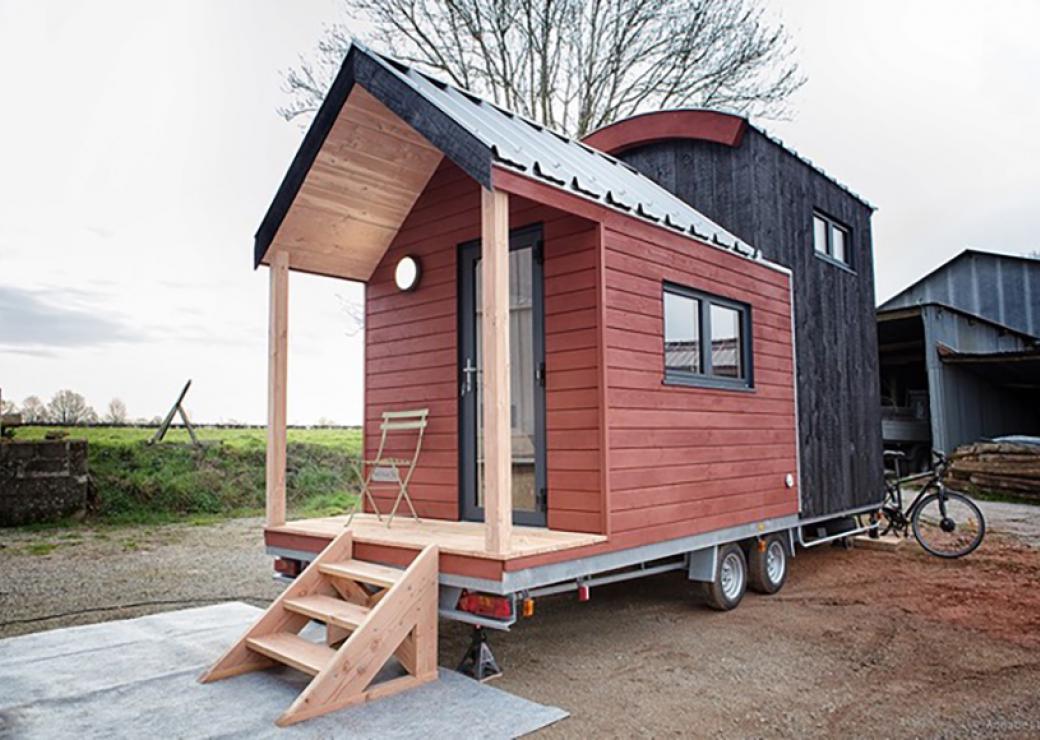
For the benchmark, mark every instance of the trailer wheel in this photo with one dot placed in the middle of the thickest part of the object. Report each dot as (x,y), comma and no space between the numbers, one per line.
(730,583)
(767,568)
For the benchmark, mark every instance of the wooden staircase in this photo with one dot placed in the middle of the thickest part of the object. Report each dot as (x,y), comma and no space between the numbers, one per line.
(371,612)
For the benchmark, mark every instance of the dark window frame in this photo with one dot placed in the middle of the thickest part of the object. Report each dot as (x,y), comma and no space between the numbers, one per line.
(828,256)
(705,378)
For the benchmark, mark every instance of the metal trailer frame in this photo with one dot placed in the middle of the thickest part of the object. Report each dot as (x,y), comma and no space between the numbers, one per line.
(697,554)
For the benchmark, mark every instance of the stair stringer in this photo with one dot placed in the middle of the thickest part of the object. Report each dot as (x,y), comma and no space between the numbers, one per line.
(406,617)
(238,658)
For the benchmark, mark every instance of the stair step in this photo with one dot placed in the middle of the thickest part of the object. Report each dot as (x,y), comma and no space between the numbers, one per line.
(329,610)
(293,650)
(361,570)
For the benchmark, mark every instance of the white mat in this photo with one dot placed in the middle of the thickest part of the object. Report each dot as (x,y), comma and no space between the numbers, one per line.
(137,678)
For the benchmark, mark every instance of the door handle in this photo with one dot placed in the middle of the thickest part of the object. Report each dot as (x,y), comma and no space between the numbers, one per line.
(468,371)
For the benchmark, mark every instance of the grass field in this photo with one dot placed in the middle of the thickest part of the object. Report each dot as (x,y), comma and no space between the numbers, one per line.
(134,482)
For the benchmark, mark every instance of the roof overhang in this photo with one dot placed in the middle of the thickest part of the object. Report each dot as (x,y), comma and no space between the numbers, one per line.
(360,169)
(1019,369)
(902,312)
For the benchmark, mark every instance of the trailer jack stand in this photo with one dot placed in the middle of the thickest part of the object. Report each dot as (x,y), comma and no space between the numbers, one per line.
(479,662)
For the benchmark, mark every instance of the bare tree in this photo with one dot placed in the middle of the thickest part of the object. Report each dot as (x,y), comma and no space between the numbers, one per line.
(8,407)
(34,410)
(116,412)
(69,407)
(354,310)
(574,65)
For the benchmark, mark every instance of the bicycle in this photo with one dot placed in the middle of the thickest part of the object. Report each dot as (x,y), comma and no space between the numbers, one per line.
(945,523)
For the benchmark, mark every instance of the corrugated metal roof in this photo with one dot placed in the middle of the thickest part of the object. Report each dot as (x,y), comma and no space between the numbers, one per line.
(1001,288)
(562,162)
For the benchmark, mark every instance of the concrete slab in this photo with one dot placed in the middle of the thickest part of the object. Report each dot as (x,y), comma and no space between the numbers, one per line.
(137,678)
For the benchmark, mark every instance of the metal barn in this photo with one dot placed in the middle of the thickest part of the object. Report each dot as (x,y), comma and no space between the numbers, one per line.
(960,354)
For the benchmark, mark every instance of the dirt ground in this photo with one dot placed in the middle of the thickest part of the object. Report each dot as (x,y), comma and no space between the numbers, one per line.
(857,643)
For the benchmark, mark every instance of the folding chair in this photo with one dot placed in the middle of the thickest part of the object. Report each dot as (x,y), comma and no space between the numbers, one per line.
(383,469)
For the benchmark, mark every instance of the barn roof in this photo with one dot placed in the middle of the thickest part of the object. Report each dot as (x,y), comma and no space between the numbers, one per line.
(478,135)
(1000,288)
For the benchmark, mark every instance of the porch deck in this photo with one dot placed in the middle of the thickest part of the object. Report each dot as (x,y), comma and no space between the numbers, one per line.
(455,538)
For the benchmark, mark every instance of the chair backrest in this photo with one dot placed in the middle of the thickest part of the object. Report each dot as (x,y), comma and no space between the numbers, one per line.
(403,420)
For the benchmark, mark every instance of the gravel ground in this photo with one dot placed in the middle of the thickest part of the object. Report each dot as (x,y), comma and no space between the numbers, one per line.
(1021,520)
(858,643)
(87,575)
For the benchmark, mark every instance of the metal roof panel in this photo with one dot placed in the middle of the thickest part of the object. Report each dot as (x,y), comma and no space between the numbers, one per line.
(563,162)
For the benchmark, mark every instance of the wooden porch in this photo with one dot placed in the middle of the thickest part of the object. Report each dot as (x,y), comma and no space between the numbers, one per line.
(372,167)
(466,539)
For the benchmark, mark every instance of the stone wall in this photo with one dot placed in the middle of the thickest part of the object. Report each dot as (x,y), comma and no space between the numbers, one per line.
(42,480)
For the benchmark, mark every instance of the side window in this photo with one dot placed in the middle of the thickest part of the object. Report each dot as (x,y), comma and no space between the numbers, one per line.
(707,339)
(831,239)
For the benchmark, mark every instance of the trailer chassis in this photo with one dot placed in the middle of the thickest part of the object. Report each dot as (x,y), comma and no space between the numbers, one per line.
(696,554)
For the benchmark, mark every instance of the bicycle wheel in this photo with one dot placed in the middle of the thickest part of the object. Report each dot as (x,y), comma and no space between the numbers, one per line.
(948,525)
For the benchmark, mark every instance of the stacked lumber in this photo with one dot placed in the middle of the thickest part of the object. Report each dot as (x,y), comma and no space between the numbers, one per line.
(998,467)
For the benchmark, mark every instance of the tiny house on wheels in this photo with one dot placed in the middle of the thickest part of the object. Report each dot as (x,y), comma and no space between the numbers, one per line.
(603,379)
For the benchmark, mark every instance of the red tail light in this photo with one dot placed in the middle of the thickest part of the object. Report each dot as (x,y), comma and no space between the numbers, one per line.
(486,605)
(288,567)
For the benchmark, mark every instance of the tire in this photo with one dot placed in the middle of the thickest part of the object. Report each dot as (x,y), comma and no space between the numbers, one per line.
(767,567)
(730,584)
(952,536)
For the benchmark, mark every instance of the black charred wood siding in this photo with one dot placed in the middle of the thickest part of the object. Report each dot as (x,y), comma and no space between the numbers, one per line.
(766,196)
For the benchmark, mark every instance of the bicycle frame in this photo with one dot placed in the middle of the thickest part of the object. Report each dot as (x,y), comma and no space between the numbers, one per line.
(934,482)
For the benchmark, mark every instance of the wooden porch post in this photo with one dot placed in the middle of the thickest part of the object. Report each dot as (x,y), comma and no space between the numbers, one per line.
(498,479)
(277,340)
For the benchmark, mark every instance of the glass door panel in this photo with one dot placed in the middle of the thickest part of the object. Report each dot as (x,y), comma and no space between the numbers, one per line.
(527,394)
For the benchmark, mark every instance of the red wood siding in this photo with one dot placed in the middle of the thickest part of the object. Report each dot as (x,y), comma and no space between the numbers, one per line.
(685,460)
(572,397)
(410,342)
(411,350)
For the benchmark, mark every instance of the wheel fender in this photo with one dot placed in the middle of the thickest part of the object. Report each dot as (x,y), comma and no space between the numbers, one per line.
(701,564)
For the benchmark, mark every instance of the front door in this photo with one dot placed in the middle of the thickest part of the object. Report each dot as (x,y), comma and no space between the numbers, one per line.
(526,379)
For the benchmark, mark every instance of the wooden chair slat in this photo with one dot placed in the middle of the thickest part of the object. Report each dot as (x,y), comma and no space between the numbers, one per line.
(405,414)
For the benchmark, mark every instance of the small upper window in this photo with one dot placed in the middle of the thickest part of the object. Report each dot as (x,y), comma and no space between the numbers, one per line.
(820,234)
(831,238)
(707,339)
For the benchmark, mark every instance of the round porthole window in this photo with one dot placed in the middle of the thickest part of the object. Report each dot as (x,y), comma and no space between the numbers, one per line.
(407,273)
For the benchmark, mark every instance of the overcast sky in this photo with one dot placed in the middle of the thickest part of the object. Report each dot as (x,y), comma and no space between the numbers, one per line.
(139,148)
